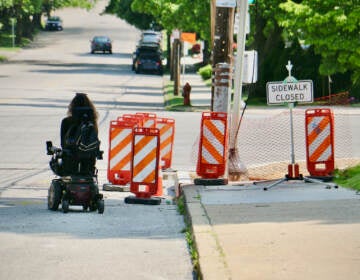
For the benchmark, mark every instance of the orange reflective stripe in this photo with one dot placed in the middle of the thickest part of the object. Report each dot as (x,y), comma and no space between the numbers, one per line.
(214,130)
(122,163)
(142,142)
(320,149)
(145,161)
(123,143)
(166,142)
(319,128)
(214,153)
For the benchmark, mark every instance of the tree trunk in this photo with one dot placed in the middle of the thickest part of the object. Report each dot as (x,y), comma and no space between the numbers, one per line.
(37,21)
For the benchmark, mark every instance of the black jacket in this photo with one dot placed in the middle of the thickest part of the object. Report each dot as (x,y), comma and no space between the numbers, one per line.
(66,123)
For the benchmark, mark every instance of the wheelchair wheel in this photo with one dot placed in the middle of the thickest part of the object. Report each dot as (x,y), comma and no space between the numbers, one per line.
(93,207)
(101,206)
(65,205)
(54,196)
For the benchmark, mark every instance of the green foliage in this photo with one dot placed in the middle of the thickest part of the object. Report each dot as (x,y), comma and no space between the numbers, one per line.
(123,9)
(348,178)
(185,15)
(181,205)
(192,248)
(27,15)
(172,102)
(332,27)
(189,236)
(205,72)
(278,41)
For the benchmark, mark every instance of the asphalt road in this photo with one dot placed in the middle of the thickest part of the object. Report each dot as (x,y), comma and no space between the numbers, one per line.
(36,86)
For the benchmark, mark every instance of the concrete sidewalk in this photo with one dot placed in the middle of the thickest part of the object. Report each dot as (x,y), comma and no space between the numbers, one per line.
(200,95)
(295,230)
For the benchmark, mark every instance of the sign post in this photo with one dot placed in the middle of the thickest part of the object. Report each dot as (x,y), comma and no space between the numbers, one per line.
(291,91)
(13,21)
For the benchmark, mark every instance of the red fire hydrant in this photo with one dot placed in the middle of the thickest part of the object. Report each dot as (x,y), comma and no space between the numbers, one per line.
(186,94)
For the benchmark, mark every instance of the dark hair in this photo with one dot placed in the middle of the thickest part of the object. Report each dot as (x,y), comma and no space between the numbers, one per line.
(82,100)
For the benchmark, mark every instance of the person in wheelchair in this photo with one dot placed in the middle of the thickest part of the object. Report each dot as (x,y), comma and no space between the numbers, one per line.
(79,137)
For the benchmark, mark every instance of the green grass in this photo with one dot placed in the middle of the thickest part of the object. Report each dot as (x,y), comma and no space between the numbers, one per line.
(348,178)
(181,205)
(189,236)
(6,46)
(174,102)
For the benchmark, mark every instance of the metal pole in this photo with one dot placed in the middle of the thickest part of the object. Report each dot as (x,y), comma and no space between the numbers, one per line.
(291,79)
(13,32)
(242,9)
(291,106)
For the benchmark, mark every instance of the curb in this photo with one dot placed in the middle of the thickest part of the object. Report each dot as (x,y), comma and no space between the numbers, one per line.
(210,253)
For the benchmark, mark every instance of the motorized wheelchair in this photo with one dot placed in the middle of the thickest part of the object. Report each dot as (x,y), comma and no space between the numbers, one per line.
(72,187)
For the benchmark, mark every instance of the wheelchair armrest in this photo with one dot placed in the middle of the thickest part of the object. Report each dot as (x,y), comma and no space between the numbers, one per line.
(51,149)
(100,155)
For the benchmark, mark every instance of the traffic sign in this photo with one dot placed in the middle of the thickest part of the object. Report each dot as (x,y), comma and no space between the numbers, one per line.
(289,92)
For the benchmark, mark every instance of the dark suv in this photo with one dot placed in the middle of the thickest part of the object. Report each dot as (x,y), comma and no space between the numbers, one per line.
(145,49)
(148,62)
(54,23)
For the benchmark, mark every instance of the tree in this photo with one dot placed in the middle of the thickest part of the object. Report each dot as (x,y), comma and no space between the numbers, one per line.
(122,8)
(185,15)
(28,14)
(269,38)
(331,27)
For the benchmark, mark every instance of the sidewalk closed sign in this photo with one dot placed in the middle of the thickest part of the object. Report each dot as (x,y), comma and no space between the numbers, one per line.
(281,92)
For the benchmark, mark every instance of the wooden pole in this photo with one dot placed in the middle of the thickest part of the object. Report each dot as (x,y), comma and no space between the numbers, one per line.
(222,38)
(176,59)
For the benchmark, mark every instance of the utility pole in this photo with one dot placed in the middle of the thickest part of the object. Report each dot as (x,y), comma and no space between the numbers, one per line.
(222,17)
(177,70)
(175,61)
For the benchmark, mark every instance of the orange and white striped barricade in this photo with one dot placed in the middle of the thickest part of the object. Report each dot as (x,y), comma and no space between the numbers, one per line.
(120,150)
(132,117)
(319,142)
(166,127)
(213,144)
(149,119)
(145,179)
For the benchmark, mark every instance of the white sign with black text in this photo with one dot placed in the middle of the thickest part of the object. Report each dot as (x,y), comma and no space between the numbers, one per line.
(289,92)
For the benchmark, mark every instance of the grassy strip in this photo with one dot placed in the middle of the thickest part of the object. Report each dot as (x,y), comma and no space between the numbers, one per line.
(348,178)
(6,45)
(174,102)
(189,237)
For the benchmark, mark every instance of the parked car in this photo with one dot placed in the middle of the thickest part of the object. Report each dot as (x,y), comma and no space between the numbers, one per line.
(101,44)
(148,62)
(145,48)
(151,35)
(54,23)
